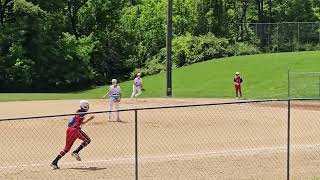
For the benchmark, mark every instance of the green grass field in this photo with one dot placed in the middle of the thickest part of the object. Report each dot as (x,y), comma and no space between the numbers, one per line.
(264,75)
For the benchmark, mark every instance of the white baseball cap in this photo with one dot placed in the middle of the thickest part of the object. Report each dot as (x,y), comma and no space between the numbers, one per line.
(114,80)
(237,73)
(139,74)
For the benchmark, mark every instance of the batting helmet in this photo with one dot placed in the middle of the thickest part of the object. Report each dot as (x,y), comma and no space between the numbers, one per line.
(84,104)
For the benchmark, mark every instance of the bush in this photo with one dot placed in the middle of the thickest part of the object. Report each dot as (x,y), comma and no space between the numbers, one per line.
(188,49)
(309,47)
(154,65)
(243,48)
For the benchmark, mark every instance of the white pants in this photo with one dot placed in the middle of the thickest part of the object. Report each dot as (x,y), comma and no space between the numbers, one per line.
(117,106)
(136,91)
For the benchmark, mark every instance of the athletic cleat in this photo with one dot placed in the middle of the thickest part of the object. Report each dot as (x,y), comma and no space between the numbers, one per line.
(54,166)
(76,155)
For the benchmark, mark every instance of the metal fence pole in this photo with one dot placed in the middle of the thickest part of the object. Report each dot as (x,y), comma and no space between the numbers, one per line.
(237,34)
(257,33)
(269,36)
(319,86)
(289,82)
(319,34)
(277,37)
(288,133)
(298,36)
(136,143)
(169,48)
(288,141)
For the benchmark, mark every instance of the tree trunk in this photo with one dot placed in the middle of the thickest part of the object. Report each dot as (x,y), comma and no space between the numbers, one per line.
(71,15)
(260,10)
(260,32)
(3,5)
(73,10)
(1,13)
(270,25)
(245,6)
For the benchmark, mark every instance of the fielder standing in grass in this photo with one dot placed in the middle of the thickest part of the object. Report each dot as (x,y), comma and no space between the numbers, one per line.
(115,96)
(137,86)
(74,132)
(237,84)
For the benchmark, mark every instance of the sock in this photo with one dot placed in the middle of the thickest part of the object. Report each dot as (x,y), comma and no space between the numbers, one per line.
(55,161)
(62,153)
(79,149)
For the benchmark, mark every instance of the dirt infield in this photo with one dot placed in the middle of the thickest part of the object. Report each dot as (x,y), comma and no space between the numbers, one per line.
(241,141)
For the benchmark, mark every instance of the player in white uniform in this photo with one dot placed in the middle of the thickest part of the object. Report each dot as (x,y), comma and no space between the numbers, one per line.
(115,96)
(137,86)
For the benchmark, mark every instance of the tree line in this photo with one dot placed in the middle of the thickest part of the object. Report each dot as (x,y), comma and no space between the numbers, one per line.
(58,45)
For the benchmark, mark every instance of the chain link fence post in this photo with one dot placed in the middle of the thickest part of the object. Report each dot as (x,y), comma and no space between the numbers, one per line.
(136,143)
(278,37)
(298,46)
(288,82)
(288,141)
(319,86)
(319,34)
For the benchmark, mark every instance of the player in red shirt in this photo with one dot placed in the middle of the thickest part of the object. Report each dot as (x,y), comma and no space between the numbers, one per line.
(237,84)
(74,132)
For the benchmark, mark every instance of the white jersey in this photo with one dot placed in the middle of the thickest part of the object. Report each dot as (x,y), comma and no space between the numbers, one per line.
(137,82)
(114,91)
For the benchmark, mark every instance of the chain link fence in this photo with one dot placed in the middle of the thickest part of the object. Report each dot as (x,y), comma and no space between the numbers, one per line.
(305,140)
(304,84)
(238,140)
(282,36)
(231,141)
(29,146)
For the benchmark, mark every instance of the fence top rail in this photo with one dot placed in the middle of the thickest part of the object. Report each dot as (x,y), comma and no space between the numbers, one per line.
(291,72)
(281,23)
(163,107)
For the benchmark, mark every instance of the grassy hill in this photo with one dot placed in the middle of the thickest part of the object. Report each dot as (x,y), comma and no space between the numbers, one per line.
(264,75)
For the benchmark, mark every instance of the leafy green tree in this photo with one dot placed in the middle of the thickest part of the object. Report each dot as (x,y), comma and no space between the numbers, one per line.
(56,45)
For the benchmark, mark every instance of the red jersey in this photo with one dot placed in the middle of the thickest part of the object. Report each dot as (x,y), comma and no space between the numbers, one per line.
(237,79)
(77,120)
